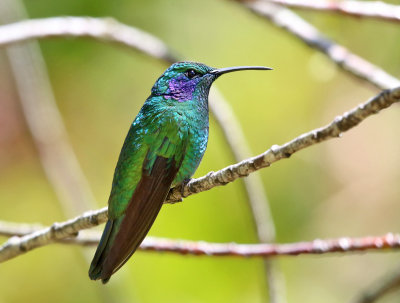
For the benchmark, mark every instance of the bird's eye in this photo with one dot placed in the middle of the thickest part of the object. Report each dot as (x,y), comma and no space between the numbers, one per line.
(191,73)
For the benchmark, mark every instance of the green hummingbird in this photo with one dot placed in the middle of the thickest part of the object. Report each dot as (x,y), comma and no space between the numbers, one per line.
(163,148)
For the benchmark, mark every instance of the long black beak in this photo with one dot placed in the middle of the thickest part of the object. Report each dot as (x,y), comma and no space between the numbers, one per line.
(220,71)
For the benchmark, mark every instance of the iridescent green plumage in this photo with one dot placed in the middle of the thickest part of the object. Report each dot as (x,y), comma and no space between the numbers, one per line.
(163,148)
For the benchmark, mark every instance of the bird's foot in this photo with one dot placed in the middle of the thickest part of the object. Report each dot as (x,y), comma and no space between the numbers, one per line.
(183,185)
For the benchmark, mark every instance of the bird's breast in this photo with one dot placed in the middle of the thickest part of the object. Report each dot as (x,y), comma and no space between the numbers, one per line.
(194,150)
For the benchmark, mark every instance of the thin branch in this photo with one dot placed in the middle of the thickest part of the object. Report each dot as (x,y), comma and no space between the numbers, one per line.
(105,29)
(269,250)
(335,129)
(361,9)
(307,33)
(199,248)
(15,246)
(12,229)
(44,120)
(381,288)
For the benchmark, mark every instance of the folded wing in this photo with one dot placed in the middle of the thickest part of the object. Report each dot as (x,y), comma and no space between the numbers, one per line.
(122,236)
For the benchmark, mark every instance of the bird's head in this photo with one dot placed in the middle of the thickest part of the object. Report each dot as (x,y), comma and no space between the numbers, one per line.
(185,81)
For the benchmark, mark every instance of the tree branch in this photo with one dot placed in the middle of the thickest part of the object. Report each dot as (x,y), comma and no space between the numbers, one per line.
(105,29)
(18,245)
(361,9)
(15,246)
(269,250)
(198,248)
(335,129)
(307,33)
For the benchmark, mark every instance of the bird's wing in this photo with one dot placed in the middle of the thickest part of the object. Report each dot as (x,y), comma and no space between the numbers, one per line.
(158,172)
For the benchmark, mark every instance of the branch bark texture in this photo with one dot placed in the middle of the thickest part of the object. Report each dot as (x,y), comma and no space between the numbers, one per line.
(105,29)
(18,245)
(199,248)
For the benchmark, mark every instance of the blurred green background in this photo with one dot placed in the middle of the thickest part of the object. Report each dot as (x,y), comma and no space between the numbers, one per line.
(344,187)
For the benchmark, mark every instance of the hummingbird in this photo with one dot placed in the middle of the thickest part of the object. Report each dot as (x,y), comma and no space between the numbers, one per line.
(163,148)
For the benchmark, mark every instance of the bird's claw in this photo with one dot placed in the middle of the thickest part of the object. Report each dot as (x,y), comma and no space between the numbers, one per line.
(183,185)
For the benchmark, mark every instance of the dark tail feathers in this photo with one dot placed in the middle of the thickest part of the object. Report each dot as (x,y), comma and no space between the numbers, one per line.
(96,267)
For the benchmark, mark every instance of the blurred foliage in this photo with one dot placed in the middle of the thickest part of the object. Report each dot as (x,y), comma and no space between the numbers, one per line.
(345,187)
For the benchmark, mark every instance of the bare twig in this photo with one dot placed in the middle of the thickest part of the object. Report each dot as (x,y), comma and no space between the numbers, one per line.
(242,169)
(292,23)
(269,250)
(198,248)
(362,9)
(381,288)
(44,120)
(15,246)
(84,238)
(105,29)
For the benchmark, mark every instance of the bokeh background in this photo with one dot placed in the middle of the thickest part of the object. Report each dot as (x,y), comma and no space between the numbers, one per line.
(344,187)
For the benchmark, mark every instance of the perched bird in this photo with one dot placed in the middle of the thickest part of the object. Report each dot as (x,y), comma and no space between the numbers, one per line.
(163,148)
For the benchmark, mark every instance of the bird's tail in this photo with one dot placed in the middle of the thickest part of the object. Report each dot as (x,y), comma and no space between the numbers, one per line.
(96,267)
